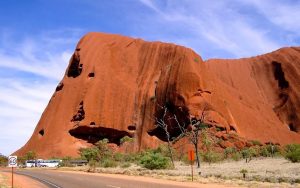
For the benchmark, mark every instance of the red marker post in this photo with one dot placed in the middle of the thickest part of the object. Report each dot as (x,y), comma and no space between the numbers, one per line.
(191,156)
(12,162)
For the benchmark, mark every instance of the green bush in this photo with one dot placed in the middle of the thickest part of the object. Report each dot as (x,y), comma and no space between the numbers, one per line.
(118,157)
(126,139)
(131,157)
(229,152)
(125,165)
(264,152)
(269,150)
(66,162)
(211,157)
(292,147)
(164,150)
(236,156)
(104,150)
(293,152)
(109,163)
(246,154)
(3,160)
(185,159)
(89,153)
(256,142)
(30,155)
(152,160)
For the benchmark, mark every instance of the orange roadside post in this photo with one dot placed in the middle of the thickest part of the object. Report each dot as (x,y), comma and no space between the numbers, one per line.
(191,156)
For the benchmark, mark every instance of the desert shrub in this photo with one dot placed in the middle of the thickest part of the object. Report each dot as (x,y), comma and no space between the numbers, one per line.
(21,160)
(164,150)
(273,149)
(126,139)
(131,157)
(212,157)
(293,152)
(3,160)
(229,151)
(103,148)
(256,142)
(244,172)
(66,161)
(118,157)
(248,153)
(153,160)
(98,153)
(291,147)
(185,159)
(90,154)
(30,155)
(264,152)
(297,180)
(92,164)
(269,150)
(108,162)
(125,165)
(236,156)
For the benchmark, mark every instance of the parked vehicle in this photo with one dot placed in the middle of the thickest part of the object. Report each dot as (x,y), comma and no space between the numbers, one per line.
(42,163)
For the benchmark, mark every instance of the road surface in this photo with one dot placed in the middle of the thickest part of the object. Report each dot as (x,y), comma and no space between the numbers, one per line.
(63,179)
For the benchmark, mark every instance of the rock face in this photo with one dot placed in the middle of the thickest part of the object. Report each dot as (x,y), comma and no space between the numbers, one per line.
(115,86)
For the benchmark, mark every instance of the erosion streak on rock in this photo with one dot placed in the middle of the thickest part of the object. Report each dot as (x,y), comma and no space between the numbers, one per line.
(115,85)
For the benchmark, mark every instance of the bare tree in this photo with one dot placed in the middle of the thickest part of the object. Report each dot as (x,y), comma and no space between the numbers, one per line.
(162,123)
(193,131)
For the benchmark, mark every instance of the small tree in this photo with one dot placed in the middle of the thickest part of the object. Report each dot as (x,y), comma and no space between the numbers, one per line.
(126,139)
(193,134)
(103,149)
(162,123)
(30,155)
(244,172)
(153,160)
(89,153)
(126,142)
(293,152)
(3,160)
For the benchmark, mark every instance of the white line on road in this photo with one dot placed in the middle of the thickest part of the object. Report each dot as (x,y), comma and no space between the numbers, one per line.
(113,186)
(45,181)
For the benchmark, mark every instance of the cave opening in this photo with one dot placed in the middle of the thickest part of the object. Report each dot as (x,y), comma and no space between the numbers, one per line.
(80,113)
(75,67)
(59,87)
(94,134)
(279,75)
(91,75)
(166,113)
(232,128)
(131,127)
(292,127)
(42,132)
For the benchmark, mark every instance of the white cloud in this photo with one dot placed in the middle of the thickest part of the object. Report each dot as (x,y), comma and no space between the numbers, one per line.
(31,71)
(284,14)
(209,26)
(52,67)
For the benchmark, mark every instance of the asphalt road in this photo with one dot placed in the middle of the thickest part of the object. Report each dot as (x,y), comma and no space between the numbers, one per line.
(57,179)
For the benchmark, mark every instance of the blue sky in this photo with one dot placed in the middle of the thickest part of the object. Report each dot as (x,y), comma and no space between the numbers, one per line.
(37,38)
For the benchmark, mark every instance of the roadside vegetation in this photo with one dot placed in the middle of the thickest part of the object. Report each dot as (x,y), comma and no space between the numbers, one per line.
(3,160)
(101,155)
(246,164)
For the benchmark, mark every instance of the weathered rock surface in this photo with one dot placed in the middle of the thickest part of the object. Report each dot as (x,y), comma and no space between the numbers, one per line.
(115,87)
